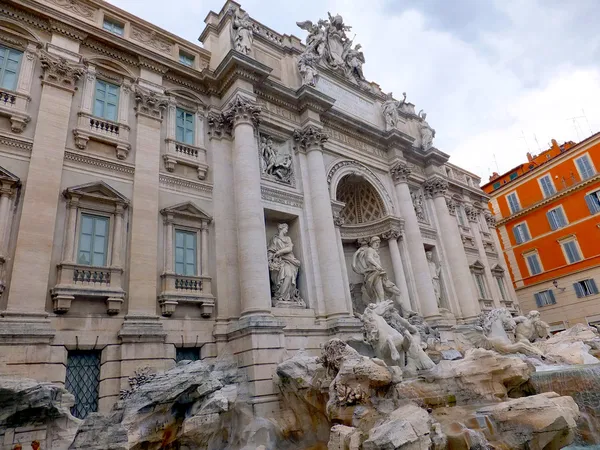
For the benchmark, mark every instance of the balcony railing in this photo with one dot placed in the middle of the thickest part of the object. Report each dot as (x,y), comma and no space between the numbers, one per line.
(100,125)
(195,290)
(8,98)
(185,150)
(186,154)
(188,283)
(91,276)
(102,130)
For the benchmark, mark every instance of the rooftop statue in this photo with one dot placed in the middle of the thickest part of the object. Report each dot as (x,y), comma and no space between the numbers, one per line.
(390,108)
(242,34)
(427,133)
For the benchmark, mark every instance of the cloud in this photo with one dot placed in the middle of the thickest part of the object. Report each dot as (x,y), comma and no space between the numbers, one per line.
(493,76)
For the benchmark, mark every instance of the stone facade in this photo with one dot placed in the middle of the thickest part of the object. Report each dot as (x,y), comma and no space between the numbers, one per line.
(182,153)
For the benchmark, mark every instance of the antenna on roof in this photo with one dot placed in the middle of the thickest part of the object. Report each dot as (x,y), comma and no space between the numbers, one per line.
(587,121)
(525,139)
(496,162)
(538,144)
(576,125)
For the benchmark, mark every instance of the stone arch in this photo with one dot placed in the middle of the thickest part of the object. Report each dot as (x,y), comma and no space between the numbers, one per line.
(187,94)
(112,65)
(362,202)
(340,169)
(13,29)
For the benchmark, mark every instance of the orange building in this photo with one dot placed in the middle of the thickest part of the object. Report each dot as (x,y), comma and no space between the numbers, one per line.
(548,218)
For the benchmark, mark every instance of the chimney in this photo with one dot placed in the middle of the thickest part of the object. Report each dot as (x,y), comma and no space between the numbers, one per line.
(529,157)
(494,176)
(555,145)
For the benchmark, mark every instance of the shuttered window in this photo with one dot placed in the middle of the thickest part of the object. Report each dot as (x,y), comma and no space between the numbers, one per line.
(9,67)
(185,253)
(184,126)
(593,202)
(585,167)
(547,186)
(521,233)
(106,100)
(585,288)
(534,264)
(556,218)
(571,250)
(513,202)
(93,240)
(544,298)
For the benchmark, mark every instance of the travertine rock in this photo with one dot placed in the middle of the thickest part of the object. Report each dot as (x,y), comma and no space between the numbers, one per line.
(344,438)
(483,375)
(25,402)
(573,346)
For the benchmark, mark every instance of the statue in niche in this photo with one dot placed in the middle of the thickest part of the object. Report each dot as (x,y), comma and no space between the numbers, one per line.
(283,268)
(427,133)
(275,164)
(435,271)
(242,34)
(417,199)
(366,262)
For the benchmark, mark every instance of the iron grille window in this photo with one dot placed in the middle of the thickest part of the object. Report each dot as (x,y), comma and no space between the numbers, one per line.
(83,381)
(190,354)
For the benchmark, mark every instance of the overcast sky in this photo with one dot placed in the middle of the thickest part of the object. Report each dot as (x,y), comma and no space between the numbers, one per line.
(497,78)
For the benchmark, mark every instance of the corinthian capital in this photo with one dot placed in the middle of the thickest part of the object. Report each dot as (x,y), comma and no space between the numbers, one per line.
(242,110)
(60,72)
(400,172)
(310,137)
(435,187)
(149,103)
(472,213)
(218,125)
(489,218)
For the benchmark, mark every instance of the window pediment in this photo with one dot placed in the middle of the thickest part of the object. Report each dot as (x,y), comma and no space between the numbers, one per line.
(96,191)
(187,210)
(109,68)
(497,271)
(8,177)
(477,267)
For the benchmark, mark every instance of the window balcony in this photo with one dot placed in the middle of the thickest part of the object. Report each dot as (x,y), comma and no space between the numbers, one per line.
(79,280)
(102,130)
(486,305)
(186,154)
(195,290)
(510,305)
(14,106)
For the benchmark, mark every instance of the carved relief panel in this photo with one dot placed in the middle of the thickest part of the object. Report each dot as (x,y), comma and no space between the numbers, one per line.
(276,162)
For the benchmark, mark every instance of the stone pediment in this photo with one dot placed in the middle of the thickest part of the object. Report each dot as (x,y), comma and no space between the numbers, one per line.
(188,210)
(97,190)
(477,267)
(7,176)
(497,270)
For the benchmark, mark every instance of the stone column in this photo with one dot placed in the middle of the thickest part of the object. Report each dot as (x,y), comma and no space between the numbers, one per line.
(338,222)
(31,268)
(170,235)
(117,247)
(5,217)
(204,249)
(426,295)
(392,239)
(255,289)
(87,94)
(457,259)
(311,141)
(492,285)
(491,222)
(69,248)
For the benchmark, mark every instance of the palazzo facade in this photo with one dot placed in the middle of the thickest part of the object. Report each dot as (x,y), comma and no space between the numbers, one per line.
(144,181)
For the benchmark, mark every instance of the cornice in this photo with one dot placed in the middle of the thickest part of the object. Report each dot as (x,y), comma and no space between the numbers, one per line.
(22,16)
(169,180)
(236,65)
(111,52)
(112,166)
(274,195)
(21,144)
(152,65)
(385,227)
(67,30)
(354,134)
(187,82)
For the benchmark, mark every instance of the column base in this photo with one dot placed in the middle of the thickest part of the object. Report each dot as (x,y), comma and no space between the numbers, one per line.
(141,328)
(21,327)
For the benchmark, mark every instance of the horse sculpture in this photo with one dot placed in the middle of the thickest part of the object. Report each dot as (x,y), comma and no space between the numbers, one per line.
(396,348)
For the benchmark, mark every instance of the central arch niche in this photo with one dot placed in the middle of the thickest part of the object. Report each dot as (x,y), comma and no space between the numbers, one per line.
(362,202)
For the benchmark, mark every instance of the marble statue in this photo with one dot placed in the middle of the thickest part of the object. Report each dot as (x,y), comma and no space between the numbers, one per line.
(275,164)
(327,43)
(283,268)
(435,272)
(417,199)
(492,335)
(531,328)
(242,34)
(366,262)
(427,133)
(429,336)
(390,111)
(397,348)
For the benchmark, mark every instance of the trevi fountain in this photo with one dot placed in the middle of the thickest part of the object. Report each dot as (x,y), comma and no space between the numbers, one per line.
(370,250)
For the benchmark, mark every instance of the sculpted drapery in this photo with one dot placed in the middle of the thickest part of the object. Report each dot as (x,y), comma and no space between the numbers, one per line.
(283,267)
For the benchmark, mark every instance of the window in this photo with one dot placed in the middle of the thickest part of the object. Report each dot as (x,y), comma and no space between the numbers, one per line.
(533,262)
(593,202)
(496,185)
(521,233)
(186,60)
(544,298)
(513,175)
(106,100)
(93,240)
(185,252)
(187,354)
(571,251)
(547,186)
(113,27)
(480,282)
(184,126)
(513,202)
(502,288)
(83,381)
(556,218)
(585,288)
(584,166)
(9,67)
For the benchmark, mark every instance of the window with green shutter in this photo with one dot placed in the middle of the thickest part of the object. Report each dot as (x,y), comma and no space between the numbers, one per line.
(185,253)
(9,67)
(184,126)
(106,100)
(93,240)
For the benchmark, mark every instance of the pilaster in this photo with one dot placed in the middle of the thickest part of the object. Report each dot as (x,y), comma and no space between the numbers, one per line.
(392,237)
(436,188)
